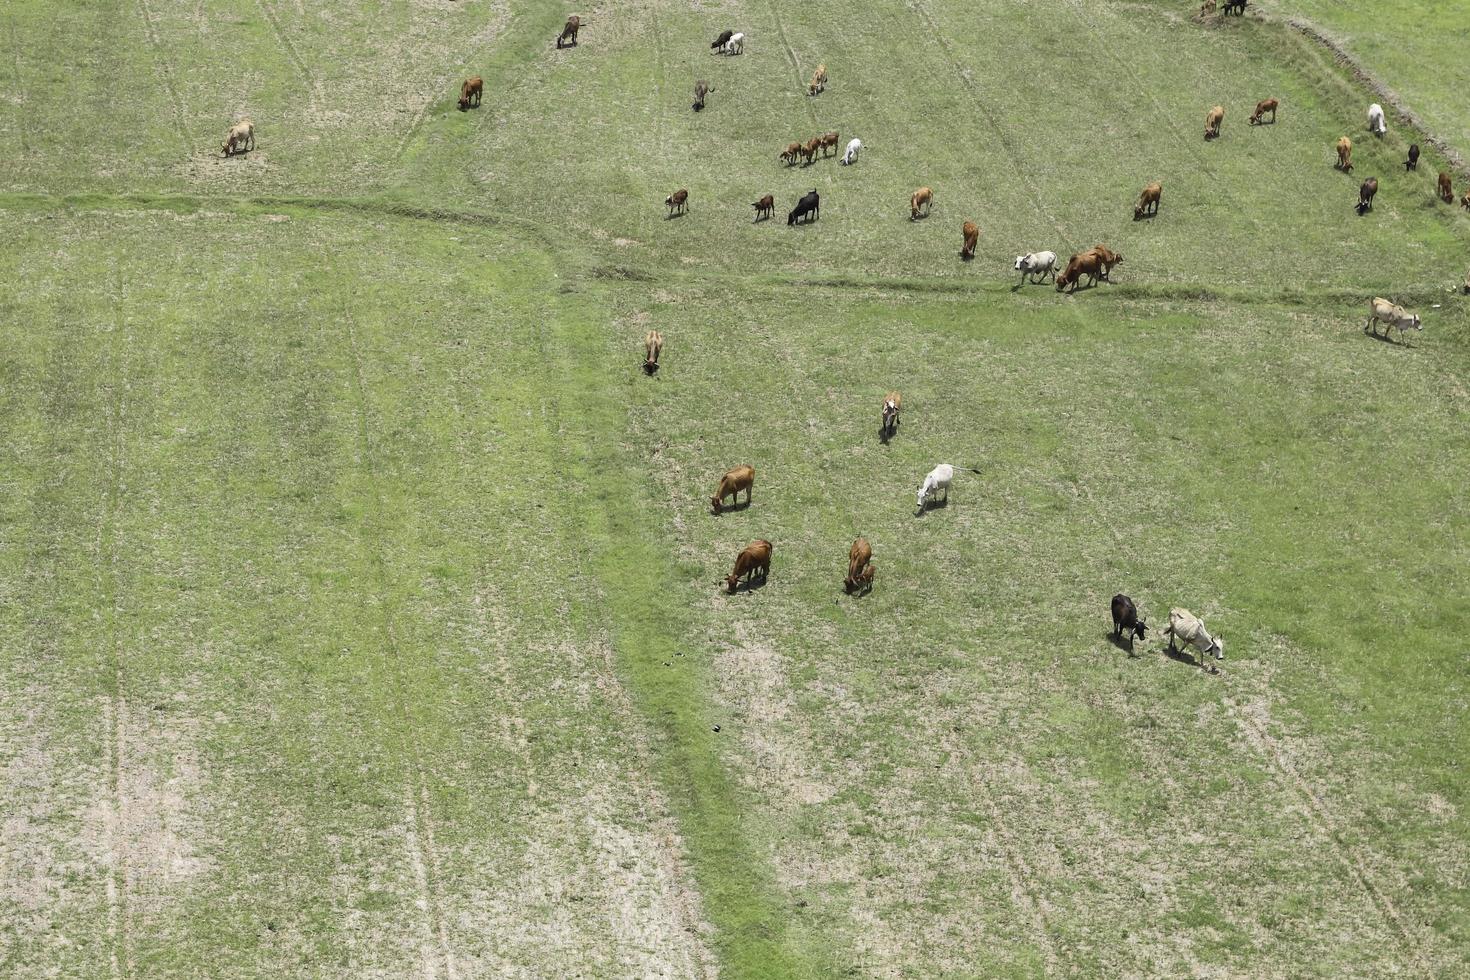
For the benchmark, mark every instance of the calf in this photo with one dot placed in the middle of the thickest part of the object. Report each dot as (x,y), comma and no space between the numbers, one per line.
(754,561)
(1148,201)
(734,481)
(1446,192)
(892,405)
(1377,125)
(736,44)
(921,199)
(1394,316)
(829,142)
(1413,162)
(702,89)
(568,36)
(1262,107)
(1089,264)
(764,207)
(719,42)
(1125,617)
(239,139)
(810,204)
(653,345)
(470,92)
(1036,266)
(971,231)
(1212,122)
(1183,625)
(678,202)
(819,81)
(1365,195)
(859,567)
(1345,155)
(854,147)
(789,155)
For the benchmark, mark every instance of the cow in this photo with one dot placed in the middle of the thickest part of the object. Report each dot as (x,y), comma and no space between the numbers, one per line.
(829,141)
(470,92)
(809,150)
(736,44)
(1413,162)
(1394,316)
(1036,266)
(819,81)
(1236,5)
(1376,123)
(754,561)
(1206,8)
(568,36)
(653,345)
(1148,201)
(939,478)
(678,202)
(810,204)
(1446,192)
(789,155)
(923,198)
(1125,617)
(1345,155)
(719,42)
(1109,259)
(1212,122)
(1465,201)
(1183,625)
(764,207)
(854,147)
(239,139)
(734,481)
(702,89)
(971,231)
(1088,263)
(892,405)
(1365,195)
(1262,107)
(859,567)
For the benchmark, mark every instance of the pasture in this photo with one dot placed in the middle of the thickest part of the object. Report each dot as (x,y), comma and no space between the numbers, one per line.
(362,603)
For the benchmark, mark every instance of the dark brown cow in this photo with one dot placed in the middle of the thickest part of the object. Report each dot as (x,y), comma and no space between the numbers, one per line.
(971,231)
(1125,617)
(568,37)
(859,567)
(734,481)
(1412,163)
(470,92)
(678,202)
(1446,192)
(754,561)
(1262,107)
(764,207)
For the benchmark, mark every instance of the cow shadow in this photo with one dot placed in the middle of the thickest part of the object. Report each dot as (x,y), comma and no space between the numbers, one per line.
(734,508)
(885,434)
(749,585)
(966,258)
(1146,216)
(674,214)
(921,216)
(762,217)
(1182,656)
(1383,338)
(1122,643)
(932,505)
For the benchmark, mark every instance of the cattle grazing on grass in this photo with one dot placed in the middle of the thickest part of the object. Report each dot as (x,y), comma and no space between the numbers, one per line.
(1236,6)
(753,562)
(678,202)
(1377,125)
(971,231)
(1392,315)
(1262,107)
(653,345)
(764,207)
(939,478)
(1148,201)
(239,139)
(1212,122)
(921,200)
(809,149)
(1125,617)
(1109,259)
(819,80)
(1089,264)
(1446,192)
(809,208)
(1345,154)
(854,147)
(702,89)
(859,567)
(736,44)
(892,405)
(568,36)
(829,142)
(1036,266)
(1365,195)
(471,92)
(734,481)
(789,155)
(1412,163)
(1189,629)
(718,44)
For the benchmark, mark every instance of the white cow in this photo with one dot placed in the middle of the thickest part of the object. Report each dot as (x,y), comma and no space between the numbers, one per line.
(1037,264)
(1184,625)
(736,44)
(852,152)
(1376,122)
(1381,310)
(938,479)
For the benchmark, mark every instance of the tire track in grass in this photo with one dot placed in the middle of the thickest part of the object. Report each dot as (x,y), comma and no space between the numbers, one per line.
(811,110)
(23,119)
(165,68)
(292,55)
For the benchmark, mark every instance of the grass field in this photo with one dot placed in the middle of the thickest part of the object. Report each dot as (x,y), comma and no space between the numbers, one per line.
(361,603)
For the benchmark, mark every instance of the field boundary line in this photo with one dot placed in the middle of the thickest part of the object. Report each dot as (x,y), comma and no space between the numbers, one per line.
(20,92)
(292,55)
(150,29)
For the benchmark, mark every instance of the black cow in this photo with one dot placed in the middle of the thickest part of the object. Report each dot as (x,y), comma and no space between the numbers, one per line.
(1125,617)
(720,41)
(1365,195)
(1238,6)
(810,204)
(1413,162)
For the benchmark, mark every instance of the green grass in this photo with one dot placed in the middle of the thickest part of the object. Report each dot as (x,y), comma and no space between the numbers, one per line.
(362,610)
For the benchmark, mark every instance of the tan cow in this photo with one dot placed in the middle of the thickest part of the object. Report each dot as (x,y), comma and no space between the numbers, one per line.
(1148,201)
(971,232)
(1212,122)
(1465,201)
(734,481)
(1345,155)
(240,138)
(829,140)
(859,567)
(819,80)
(1394,316)
(470,92)
(1262,107)
(809,149)
(1446,191)
(923,198)
(754,560)
(653,345)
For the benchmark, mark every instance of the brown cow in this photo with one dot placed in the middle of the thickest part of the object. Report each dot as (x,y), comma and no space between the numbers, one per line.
(240,138)
(1212,122)
(1089,264)
(1345,155)
(859,569)
(972,235)
(569,32)
(1109,259)
(740,478)
(470,92)
(1446,192)
(653,345)
(678,202)
(1465,201)
(1148,201)
(1206,8)
(755,559)
(819,80)
(829,139)
(764,207)
(1262,107)
(892,405)
(789,155)
(1366,194)
(921,198)
(809,149)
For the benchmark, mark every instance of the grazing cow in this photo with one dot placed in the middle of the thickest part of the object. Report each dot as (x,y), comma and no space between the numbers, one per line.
(1236,5)
(1035,266)
(829,141)
(678,202)
(1376,123)
(939,478)
(1394,316)
(923,198)
(859,569)
(819,81)
(736,44)
(754,561)
(809,149)
(1446,192)
(810,204)
(470,92)
(764,207)
(892,405)
(719,43)
(734,481)
(653,346)
(1125,617)
(239,139)
(971,231)
(1365,195)
(1212,122)
(702,89)
(1206,8)
(854,147)
(1109,259)
(568,37)
(1148,201)
(789,155)
(1465,201)
(1088,263)
(1262,107)
(1413,162)
(1183,625)
(1345,155)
